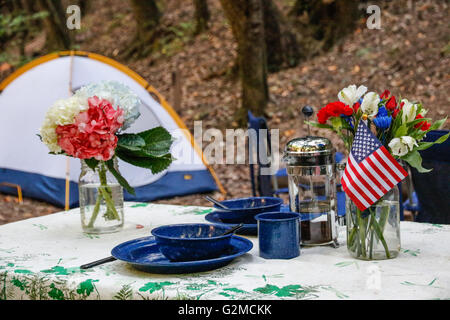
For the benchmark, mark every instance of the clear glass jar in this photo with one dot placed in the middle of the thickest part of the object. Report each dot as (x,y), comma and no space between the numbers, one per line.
(101,199)
(374,234)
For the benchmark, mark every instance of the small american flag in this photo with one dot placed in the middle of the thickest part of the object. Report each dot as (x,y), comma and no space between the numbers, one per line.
(371,171)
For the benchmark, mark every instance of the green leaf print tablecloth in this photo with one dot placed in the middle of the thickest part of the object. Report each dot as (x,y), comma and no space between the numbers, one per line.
(40,259)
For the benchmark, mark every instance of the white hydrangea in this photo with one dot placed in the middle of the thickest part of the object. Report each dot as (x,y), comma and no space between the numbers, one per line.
(62,113)
(116,93)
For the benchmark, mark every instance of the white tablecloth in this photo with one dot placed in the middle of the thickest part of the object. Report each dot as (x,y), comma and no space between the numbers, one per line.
(40,259)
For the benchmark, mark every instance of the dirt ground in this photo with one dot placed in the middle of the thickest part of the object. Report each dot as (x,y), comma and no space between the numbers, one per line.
(409,55)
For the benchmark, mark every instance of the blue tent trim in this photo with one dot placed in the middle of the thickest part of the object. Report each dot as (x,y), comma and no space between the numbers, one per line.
(52,190)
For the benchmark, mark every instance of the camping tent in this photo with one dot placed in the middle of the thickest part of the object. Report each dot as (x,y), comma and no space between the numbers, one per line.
(26,95)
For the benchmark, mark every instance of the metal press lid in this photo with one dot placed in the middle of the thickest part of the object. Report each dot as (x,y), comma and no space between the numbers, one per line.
(309,145)
(310,150)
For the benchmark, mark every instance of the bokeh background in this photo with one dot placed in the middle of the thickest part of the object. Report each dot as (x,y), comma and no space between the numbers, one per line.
(195,53)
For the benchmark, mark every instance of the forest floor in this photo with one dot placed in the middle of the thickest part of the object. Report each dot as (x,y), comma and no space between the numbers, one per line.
(409,55)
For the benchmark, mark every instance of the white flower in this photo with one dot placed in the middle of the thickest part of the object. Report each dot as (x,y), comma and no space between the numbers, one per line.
(351,94)
(369,104)
(401,146)
(409,111)
(423,112)
(61,113)
(118,94)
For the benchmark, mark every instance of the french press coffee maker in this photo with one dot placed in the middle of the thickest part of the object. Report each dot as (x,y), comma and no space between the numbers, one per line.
(310,163)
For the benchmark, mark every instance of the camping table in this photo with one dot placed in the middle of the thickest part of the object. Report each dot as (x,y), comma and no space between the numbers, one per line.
(40,259)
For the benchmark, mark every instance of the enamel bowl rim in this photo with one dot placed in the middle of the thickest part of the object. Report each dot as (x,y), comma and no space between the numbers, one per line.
(154,232)
(278,202)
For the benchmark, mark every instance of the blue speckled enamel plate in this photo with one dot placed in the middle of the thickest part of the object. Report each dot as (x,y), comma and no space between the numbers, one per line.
(144,255)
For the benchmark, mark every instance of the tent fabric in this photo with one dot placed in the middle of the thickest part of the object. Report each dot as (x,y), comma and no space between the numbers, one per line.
(25,97)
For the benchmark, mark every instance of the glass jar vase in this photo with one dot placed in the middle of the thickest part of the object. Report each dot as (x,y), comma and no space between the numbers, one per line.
(101,199)
(374,234)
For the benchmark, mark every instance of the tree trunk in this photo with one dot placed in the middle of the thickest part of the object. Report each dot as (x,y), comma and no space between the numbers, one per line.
(202,15)
(85,6)
(247,24)
(147,17)
(281,42)
(323,23)
(58,37)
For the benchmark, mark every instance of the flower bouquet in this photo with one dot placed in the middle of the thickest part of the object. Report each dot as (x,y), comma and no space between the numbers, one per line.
(90,126)
(369,122)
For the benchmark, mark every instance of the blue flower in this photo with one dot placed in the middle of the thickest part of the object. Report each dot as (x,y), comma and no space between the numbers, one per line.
(382,122)
(348,119)
(382,112)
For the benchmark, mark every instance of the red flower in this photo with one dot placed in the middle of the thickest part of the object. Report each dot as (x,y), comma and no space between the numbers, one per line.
(396,111)
(385,94)
(423,125)
(356,106)
(391,103)
(93,133)
(333,109)
(322,116)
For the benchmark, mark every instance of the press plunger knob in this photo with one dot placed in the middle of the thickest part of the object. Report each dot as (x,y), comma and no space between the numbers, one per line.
(307,111)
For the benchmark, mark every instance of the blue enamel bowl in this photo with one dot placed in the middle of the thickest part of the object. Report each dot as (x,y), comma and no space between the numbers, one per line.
(245,209)
(191,242)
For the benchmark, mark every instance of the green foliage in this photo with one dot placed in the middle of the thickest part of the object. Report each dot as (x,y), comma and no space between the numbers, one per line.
(148,149)
(126,293)
(11,24)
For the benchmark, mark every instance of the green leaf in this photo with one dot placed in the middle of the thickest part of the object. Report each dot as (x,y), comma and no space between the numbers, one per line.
(337,123)
(156,165)
(415,160)
(426,145)
(149,149)
(155,135)
(437,124)
(157,141)
(155,286)
(401,131)
(118,176)
(91,163)
(131,141)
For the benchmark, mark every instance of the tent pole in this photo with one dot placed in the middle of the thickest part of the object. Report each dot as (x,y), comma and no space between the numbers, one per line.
(67,200)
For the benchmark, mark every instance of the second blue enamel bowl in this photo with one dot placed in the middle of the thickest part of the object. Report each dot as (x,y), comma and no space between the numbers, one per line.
(190,242)
(245,209)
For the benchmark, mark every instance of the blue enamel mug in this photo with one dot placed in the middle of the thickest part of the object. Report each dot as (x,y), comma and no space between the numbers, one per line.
(278,235)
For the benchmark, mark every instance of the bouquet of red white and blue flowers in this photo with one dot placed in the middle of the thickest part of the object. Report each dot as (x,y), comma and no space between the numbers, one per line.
(399,125)
(377,130)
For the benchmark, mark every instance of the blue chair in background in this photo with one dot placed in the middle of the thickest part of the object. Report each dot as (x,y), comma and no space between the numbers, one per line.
(268,185)
(412,204)
(433,188)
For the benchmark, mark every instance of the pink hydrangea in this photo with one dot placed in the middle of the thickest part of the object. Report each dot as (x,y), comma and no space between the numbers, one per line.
(93,133)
